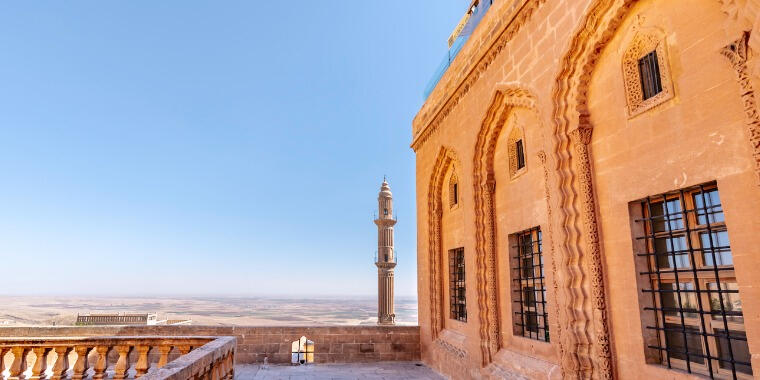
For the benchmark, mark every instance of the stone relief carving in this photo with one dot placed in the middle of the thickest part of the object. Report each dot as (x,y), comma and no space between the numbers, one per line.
(446,161)
(744,16)
(451,349)
(581,138)
(590,356)
(737,54)
(643,43)
(554,258)
(505,100)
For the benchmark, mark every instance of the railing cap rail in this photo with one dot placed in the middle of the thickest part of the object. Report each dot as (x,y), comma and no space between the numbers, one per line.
(104,340)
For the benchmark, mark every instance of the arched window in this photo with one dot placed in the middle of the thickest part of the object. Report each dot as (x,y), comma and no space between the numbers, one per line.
(453,190)
(516,152)
(646,72)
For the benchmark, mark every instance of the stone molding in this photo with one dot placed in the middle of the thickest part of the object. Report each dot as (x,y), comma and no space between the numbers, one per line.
(469,70)
(458,353)
(447,161)
(586,326)
(504,101)
(737,53)
(550,232)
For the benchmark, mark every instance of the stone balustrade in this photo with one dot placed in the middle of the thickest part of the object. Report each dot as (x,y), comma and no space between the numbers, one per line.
(332,344)
(118,357)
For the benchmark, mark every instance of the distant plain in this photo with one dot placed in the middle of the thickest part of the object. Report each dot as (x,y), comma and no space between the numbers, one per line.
(249,311)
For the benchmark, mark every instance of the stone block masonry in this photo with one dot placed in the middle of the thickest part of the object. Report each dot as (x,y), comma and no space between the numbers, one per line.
(333,344)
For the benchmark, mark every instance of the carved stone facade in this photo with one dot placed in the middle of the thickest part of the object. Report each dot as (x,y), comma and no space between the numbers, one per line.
(575,98)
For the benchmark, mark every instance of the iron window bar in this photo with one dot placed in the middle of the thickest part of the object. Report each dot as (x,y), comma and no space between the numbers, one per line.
(649,75)
(689,283)
(529,292)
(457,288)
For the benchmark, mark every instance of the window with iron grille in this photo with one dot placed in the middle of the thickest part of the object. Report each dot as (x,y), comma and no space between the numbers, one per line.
(528,290)
(453,190)
(696,321)
(458,303)
(520,154)
(649,74)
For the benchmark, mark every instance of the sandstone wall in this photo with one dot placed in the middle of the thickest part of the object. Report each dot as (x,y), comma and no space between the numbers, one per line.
(556,70)
(335,344)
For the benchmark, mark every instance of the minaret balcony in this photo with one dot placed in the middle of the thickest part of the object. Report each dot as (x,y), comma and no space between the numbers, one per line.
(386,259)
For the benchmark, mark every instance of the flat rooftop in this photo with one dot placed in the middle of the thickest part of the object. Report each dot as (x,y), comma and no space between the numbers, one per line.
(372,371)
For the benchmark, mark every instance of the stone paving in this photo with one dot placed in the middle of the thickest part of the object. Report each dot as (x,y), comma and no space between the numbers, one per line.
(372,371)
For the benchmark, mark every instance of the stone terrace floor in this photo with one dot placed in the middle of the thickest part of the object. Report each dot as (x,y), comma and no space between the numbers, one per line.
(372,371)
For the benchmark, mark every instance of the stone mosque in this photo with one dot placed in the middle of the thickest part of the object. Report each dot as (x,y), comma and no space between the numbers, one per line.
(587,185)
(588,207)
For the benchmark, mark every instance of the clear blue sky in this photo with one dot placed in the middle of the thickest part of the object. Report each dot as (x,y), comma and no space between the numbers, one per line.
(209,147)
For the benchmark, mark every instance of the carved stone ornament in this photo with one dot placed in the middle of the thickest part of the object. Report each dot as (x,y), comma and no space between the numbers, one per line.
(737,54)
(506,99)
(446,162)
(642,44)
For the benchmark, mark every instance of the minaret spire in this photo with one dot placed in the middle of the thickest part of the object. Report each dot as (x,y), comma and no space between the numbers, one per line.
(386,256)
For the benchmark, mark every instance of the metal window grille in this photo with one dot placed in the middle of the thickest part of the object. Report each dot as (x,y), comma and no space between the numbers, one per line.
(458,303)
(699,324)
(520,154)
(649,74)
(529,292)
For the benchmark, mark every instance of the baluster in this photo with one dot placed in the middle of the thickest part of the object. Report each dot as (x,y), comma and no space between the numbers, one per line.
(184,349)
(102,363)
(143,364)
(221,369)
(229,367)
(122,365)
(82,364)
(61,363)
(19,363)
(40,362)
(3,351)
(164,358)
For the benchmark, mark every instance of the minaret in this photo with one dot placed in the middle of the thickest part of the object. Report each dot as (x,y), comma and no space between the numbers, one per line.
(386,256)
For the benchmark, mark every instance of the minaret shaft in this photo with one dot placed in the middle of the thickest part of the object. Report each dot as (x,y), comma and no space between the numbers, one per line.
(386,257)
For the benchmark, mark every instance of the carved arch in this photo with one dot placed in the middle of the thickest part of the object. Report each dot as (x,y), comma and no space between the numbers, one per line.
(446,161)
(587,329)
(504,101)
(592,355)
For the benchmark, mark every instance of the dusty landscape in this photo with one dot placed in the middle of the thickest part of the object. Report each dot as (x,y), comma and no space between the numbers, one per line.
(262,311)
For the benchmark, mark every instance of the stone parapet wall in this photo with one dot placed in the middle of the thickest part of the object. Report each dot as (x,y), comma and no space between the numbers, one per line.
(333,344)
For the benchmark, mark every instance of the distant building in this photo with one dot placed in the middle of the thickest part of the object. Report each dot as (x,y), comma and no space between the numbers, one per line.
(386,256)
(126,319)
